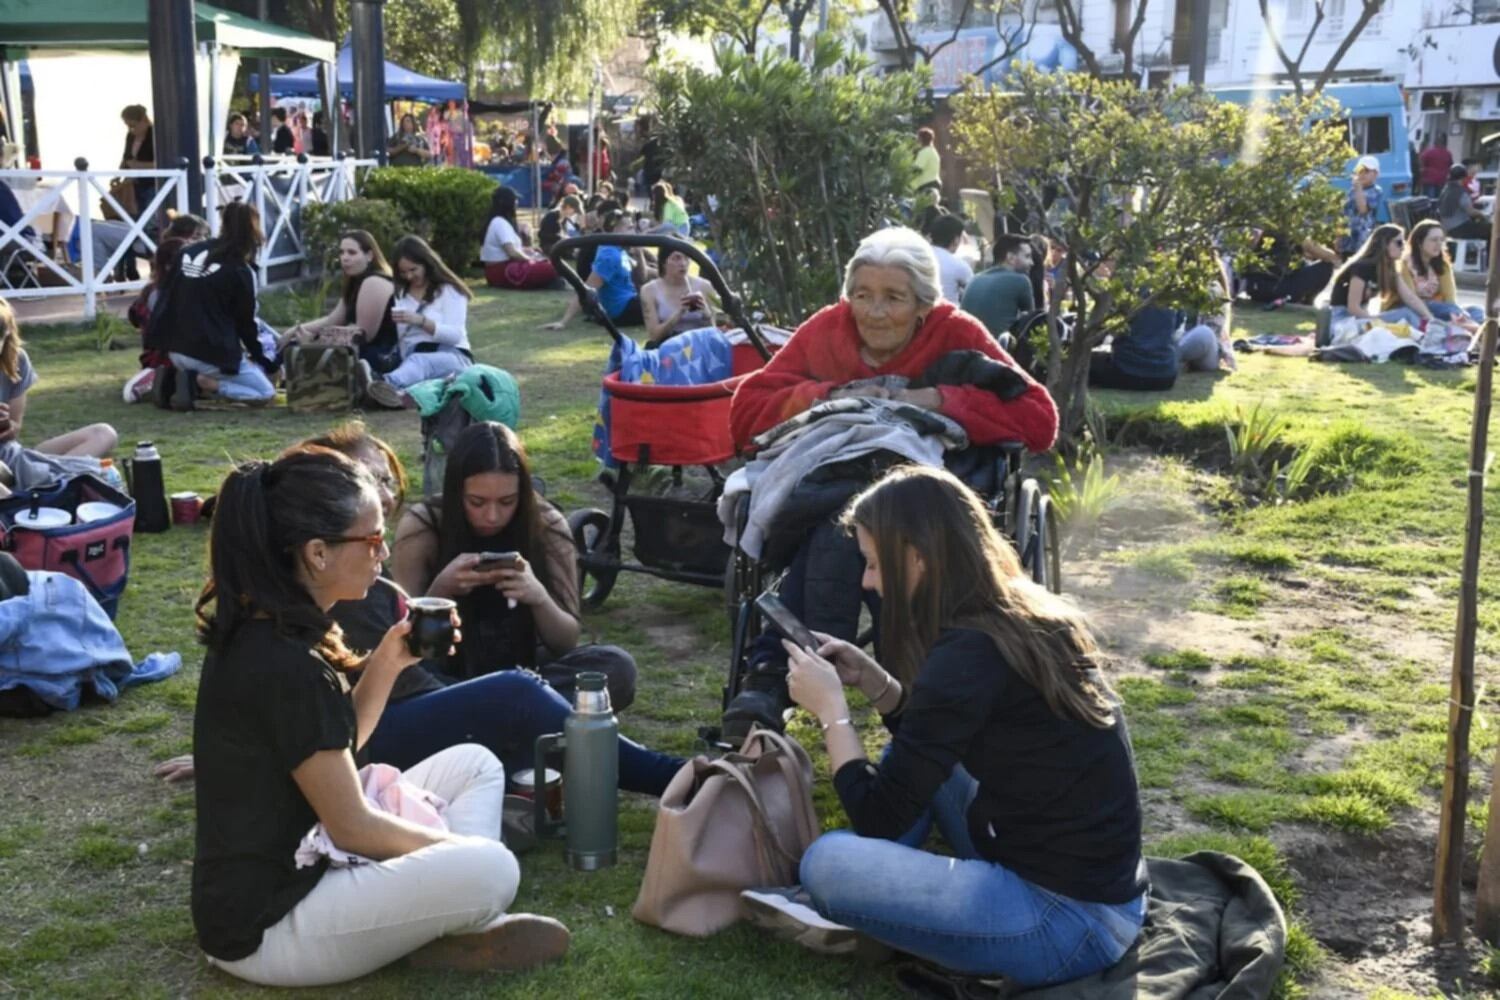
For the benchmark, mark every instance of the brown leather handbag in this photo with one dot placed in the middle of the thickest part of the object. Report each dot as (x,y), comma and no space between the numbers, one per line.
(725,825)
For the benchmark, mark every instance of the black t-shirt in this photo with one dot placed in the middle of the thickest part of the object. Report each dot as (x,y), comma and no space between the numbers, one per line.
(1057,801)
(264,706)
(1365,270)
(283,141)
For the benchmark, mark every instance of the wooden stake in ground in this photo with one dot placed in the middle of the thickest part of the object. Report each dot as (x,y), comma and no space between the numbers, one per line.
(1447,902)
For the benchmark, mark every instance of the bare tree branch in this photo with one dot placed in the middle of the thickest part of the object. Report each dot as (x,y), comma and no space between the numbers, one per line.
(1071,27)
(1128,46)
(930,54)
(1366,15)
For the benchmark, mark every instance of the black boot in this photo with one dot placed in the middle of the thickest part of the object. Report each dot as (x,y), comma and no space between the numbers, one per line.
(184,391)
(763,700)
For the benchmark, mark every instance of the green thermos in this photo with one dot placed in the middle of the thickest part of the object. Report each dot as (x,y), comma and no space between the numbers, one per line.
(590,745)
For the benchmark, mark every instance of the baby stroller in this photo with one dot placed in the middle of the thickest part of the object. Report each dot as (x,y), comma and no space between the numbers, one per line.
(666,426)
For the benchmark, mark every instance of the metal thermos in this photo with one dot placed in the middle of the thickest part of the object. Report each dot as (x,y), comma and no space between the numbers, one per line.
(590,745)
(149,489)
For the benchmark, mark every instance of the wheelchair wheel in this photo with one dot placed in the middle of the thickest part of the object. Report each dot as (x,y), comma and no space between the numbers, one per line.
(596,578)
(1023,521)
(1045,554)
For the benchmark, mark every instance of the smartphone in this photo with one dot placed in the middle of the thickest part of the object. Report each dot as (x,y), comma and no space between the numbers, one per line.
(779,615)
(490,561)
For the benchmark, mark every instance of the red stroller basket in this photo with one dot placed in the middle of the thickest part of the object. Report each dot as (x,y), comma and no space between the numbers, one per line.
(675,424)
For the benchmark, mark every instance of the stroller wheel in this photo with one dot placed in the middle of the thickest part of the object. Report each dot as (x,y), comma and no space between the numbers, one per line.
(598,555)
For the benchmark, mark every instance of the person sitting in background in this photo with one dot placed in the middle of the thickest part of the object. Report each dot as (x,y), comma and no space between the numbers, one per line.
(677,301)
(427,712)
(276,730)
(1293,271)
(408,147)
(16,379)
(205,319)
(1142,358)
(366,300)
(283,141)
(997,297)
(1205,346)
(508,263)
(555,176)
(432,315)
(668,211)
(1427,270)
(319,144)
(946,233)
(610,278)
(1364,205)
(1003,732)
(521,615)
(561,222)
(239,142)
(1377,269)
(1461,218)
(181,231)
(1471,178)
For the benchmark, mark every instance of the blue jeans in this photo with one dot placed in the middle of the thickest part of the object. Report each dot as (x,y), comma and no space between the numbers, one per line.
(1400,314)
(249,384)
(1448,311)
(505,711)
(964,913)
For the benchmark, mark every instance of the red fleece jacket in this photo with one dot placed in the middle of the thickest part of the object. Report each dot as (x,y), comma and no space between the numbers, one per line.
(824,354)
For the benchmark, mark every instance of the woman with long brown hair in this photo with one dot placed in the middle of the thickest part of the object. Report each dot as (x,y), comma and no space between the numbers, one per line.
(1376,270)
(1003,732)
(205,318)
(366,299)
(432,322)
(1427,269)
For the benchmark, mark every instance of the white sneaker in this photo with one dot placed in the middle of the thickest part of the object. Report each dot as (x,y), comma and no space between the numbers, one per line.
(788,912)
(382,393)
(363,379)
(138,386)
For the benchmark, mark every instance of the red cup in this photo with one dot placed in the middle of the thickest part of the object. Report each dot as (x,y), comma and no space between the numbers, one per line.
(186,507)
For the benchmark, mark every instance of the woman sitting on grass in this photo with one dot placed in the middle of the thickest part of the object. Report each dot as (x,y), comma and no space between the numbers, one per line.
(508,262)
(205,319)
(1427,270)
(677,301)
(365,300)
(1376,268)
(277,733)
(1003,732)
(526,613)
(16,379)
(432,316)
(505,711)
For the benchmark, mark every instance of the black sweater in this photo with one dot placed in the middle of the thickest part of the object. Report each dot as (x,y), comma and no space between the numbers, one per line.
(206,310)
(1057,801)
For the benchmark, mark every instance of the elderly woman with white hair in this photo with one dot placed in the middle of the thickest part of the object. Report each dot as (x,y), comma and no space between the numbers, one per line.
(890,321)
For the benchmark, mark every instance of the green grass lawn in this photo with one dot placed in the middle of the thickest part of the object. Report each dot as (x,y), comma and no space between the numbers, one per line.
(95,854)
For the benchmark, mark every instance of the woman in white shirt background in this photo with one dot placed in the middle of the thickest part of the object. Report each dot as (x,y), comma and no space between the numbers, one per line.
(431,313)
(508,261)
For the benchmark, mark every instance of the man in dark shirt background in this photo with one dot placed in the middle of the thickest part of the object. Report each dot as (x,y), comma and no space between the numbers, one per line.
(999,296)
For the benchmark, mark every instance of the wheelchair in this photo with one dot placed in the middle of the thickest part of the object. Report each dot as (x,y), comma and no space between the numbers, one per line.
(1019,508)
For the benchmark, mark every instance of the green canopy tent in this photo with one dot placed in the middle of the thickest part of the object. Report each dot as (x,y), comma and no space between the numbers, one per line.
(121,25)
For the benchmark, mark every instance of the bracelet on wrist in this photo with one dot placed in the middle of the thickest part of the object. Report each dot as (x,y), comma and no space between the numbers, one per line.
(884,690)
(845,721)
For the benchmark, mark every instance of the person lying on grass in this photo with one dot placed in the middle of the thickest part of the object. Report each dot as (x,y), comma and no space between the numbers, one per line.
(504,711)
(1002,731)
(278,732)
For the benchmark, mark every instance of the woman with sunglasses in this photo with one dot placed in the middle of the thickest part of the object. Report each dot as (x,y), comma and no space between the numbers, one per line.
(278,733)
(1376,270)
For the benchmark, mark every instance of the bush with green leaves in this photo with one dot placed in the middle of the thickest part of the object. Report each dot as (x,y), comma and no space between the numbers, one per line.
(803,159)
(1147,189)
(322,224)
(454,202)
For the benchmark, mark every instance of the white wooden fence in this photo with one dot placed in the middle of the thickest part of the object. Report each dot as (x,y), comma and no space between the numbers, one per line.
(51,201)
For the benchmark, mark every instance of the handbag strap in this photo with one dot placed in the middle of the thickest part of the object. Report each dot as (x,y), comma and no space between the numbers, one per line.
(766,834)
(796,768)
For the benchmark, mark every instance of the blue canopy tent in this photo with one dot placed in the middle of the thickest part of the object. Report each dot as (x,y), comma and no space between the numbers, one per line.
(400,83)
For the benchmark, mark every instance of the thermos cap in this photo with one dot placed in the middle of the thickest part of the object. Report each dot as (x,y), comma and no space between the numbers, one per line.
(590,680)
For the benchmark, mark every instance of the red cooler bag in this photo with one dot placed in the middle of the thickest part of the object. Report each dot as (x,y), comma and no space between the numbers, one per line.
(95,551)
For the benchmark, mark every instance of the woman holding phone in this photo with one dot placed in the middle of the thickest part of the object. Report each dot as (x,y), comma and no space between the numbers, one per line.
(522,611)
(278,732)
(1003,732)
(431,313)
(677,301)
(504,711)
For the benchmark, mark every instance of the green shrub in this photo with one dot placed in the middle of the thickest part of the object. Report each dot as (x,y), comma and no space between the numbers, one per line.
(453,202)
(322,224)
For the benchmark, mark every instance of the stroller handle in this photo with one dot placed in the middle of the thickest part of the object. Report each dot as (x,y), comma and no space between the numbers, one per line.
(589,299)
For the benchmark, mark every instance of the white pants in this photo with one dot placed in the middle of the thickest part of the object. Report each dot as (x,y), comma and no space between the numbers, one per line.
(358,919)
(429,364)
